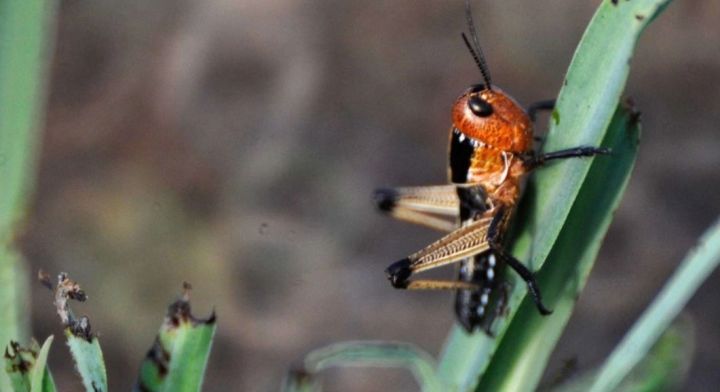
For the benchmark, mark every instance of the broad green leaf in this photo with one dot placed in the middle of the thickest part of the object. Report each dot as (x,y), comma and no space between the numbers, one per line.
(687,279)
(369,354)
(24,51)
(178,358)
(587,101)
(41,380)
(89,361)
(590,94)
(520,360)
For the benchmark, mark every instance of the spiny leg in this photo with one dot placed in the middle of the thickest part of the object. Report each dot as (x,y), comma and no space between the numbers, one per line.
(463,242)
(533,161)
(438,284)
(494,239)
(529,278)
(477,284)
(459,244)
(436,199)
(430,206)
(424,219)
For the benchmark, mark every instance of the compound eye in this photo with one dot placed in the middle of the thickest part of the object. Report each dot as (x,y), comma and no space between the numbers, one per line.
(479,106)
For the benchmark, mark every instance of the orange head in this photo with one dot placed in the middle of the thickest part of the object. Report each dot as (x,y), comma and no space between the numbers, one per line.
(490,117)
(488,128)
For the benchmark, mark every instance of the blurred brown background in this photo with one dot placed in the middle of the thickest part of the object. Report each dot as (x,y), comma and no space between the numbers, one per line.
(235,145)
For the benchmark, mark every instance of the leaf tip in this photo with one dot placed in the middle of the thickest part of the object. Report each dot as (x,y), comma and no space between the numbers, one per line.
(180,311)
(65,290)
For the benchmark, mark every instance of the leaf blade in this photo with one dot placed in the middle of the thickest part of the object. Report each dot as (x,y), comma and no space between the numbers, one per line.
(191,352)
(521,357)
(594,82)
(692,272)
(366,354)
(41,380)
(178,358)
(89,361)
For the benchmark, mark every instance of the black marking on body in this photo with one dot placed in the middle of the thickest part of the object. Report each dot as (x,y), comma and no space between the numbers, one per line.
(473,308)
(461,152)
(473,202)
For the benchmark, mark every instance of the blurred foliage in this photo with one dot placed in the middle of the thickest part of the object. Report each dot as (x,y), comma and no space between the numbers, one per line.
(303,377)
(176,362)
(664,368)
(24,49)
(27,367)
(687,279)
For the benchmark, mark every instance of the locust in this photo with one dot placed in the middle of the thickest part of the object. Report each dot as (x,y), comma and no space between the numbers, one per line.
(491,152)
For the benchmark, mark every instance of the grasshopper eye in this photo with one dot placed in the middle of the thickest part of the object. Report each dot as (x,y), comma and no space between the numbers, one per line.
(479,106)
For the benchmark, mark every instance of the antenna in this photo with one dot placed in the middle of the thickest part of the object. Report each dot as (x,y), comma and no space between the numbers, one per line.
(475,49)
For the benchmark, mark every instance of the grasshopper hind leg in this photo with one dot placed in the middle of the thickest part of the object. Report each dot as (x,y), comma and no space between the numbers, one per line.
(431,206)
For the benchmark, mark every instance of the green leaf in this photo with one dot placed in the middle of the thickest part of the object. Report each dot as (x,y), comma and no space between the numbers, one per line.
(13,289)
(366,354)
(23,64)
(520,359)
(84,346)
(178,358)
(27,367)
(687,279)
(88,360)
(587,101)
(41,379)
(191,349)
(667,363)
(663,369)
(19,361)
